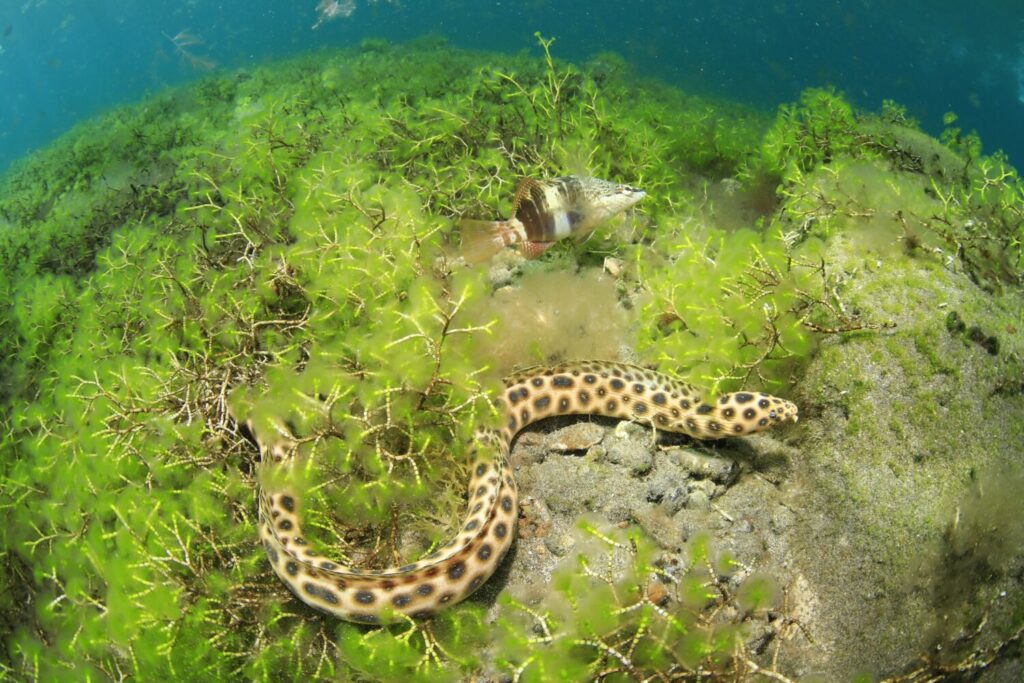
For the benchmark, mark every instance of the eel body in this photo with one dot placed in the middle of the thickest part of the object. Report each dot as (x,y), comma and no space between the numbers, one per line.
(441,579)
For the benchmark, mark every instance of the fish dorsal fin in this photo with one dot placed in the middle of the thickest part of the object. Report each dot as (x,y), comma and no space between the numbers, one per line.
(526,185)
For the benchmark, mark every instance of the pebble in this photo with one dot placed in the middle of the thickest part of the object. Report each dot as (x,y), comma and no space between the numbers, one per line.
(704,486)
(560,545)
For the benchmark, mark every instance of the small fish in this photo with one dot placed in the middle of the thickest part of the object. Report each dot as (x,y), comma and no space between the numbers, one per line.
(545,211)
(328,10)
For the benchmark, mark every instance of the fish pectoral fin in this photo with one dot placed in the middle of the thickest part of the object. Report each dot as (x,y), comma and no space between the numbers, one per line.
(532,250)
(483,239)
(583,230)
(523,192)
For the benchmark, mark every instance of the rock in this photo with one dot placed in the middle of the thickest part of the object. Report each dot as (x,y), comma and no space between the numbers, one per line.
(700,465)
(699,500)
(613,266)
(659,525)
(535,519)
(667,485)
(703,486)
(867,522)
(576,437)
(560,545)
(656,592)
(782,519)
(635,456)
(868,542)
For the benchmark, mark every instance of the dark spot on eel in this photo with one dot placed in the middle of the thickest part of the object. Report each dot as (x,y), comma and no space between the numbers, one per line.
(271,553)
(324,594)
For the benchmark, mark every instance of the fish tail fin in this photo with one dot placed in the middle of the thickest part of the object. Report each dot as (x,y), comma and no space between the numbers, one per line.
(482,239)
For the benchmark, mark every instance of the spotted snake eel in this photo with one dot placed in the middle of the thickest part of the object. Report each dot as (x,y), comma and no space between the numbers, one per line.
(451,573)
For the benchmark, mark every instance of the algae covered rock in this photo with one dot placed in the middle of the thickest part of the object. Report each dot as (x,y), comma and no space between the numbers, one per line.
(910,469)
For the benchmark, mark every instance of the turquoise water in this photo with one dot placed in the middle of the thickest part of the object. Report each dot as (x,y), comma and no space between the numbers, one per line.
(62,60)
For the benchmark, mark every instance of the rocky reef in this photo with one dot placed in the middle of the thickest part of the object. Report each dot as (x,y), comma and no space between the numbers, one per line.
(281,243)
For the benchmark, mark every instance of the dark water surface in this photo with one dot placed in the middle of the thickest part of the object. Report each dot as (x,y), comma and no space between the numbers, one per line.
(64,60)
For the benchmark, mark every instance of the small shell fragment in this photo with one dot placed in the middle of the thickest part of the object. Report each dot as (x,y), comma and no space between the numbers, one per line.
(613,266)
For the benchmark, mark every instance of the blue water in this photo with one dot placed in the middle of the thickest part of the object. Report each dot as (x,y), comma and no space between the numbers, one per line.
(64,60)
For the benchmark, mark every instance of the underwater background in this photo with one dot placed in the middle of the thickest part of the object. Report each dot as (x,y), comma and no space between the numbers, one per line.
(234,227)
(61,61)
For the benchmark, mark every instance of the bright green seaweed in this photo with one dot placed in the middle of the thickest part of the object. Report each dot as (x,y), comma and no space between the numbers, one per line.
(267,236)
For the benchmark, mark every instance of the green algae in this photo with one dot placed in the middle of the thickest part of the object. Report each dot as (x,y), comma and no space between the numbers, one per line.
(265,237)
